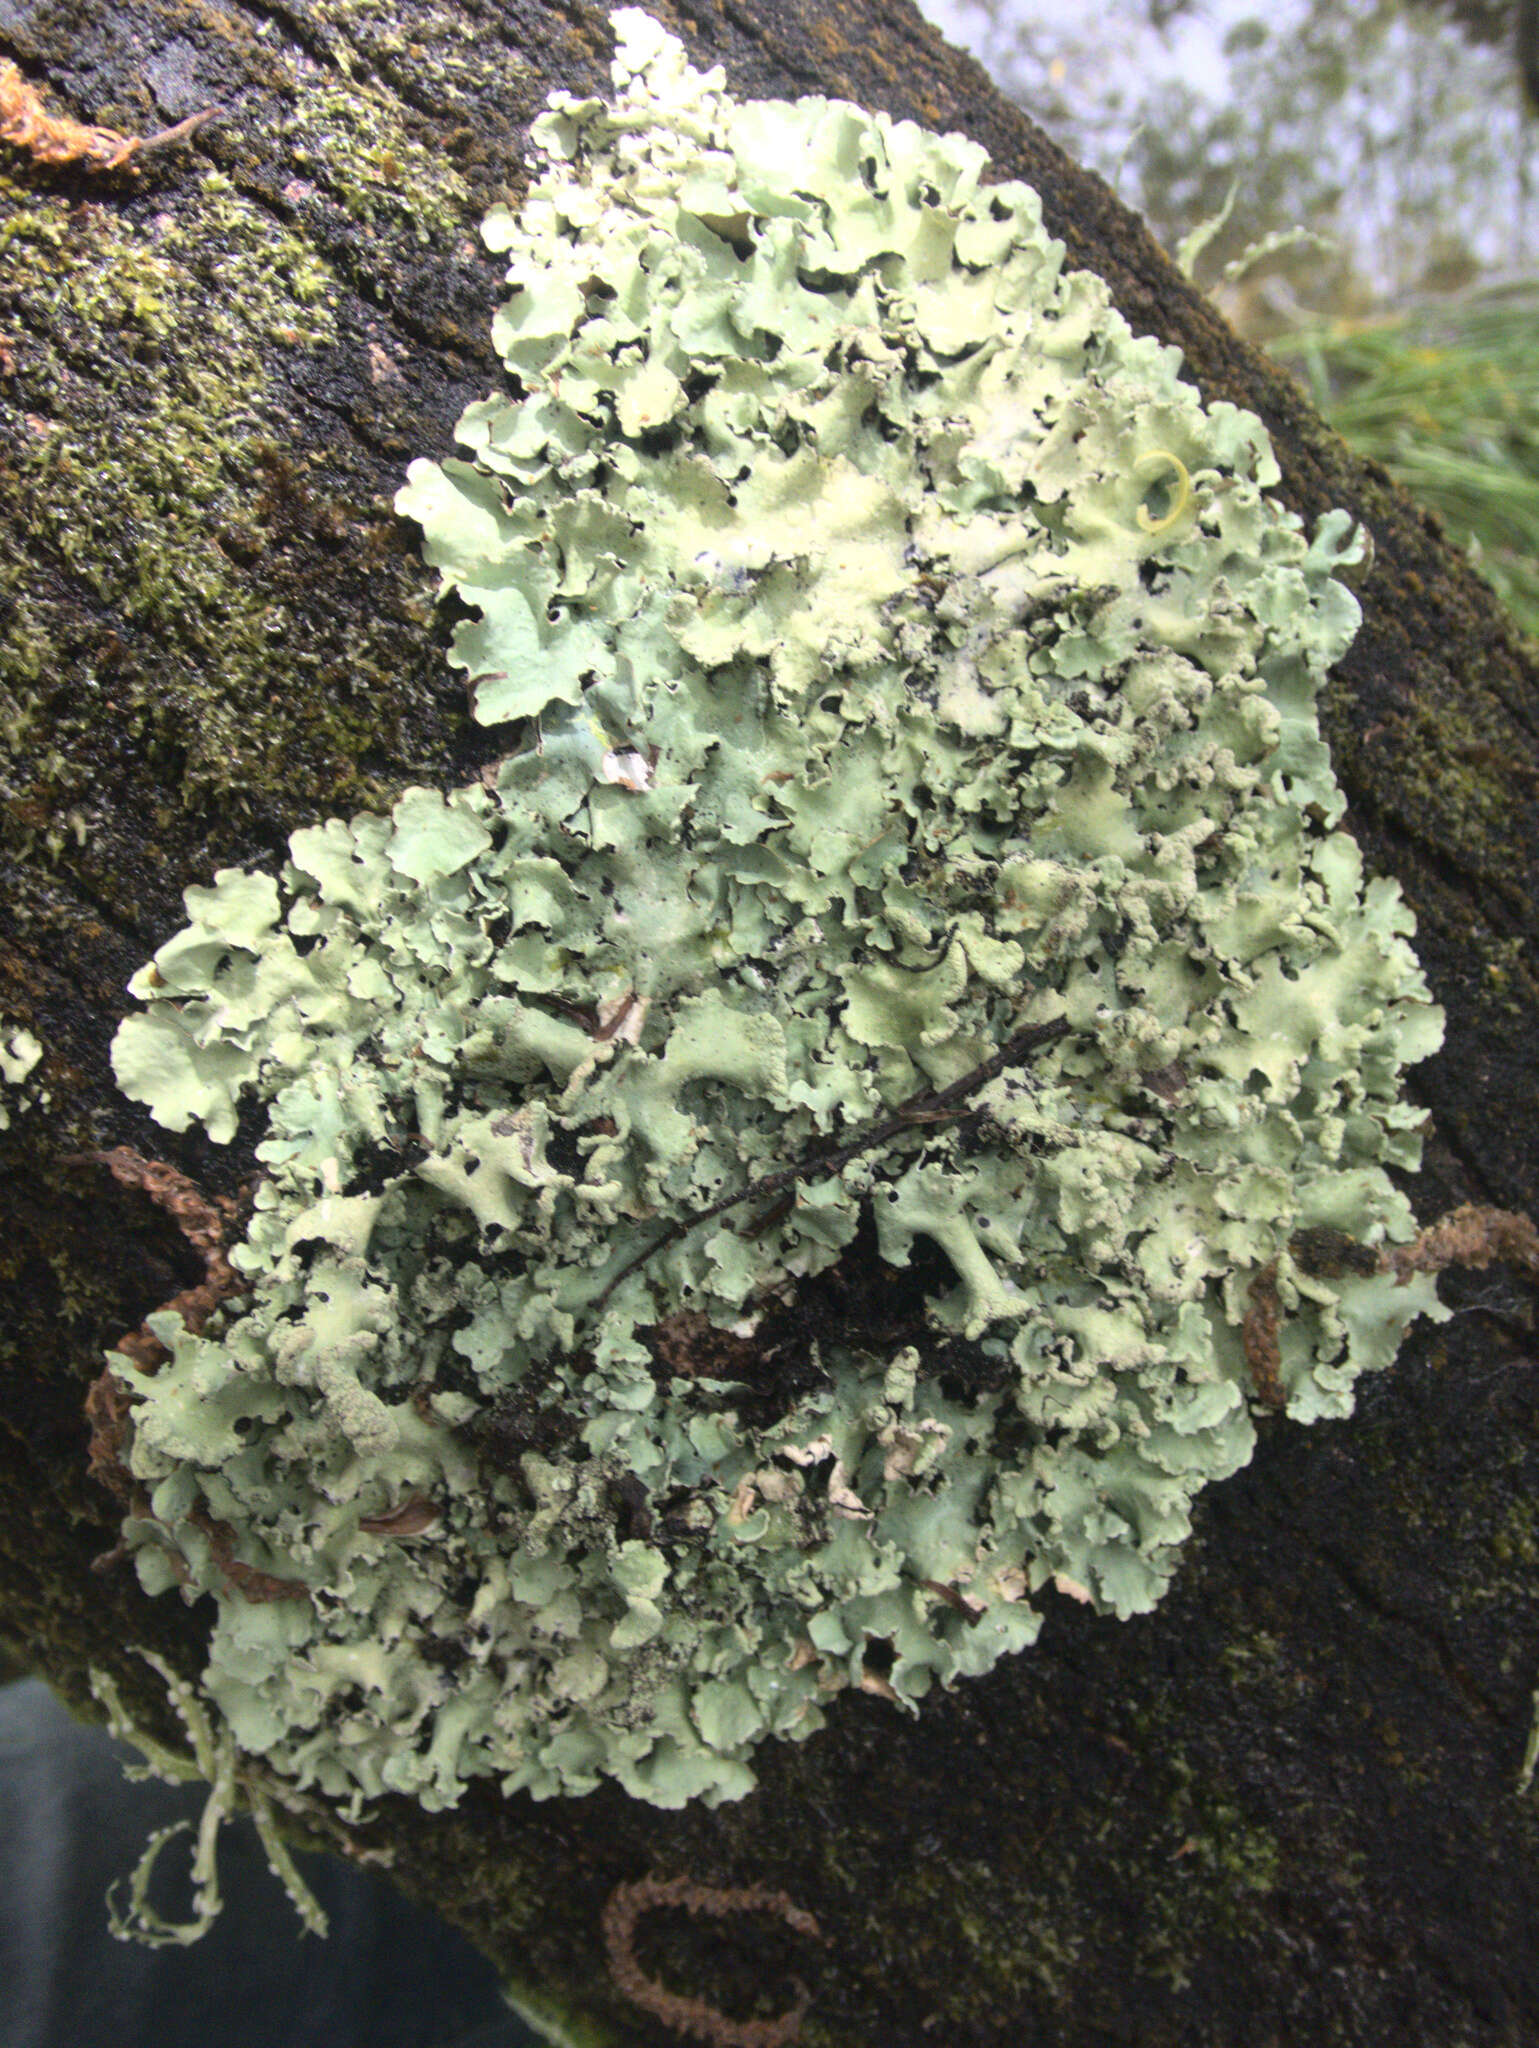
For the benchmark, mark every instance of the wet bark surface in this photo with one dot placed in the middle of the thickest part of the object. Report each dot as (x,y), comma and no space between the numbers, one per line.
(1283,1806)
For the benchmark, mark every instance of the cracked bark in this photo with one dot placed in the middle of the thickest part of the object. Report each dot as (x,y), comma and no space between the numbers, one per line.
(1283,1805)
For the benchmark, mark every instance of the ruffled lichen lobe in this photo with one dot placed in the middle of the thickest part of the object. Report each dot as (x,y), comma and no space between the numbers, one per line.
(899,662)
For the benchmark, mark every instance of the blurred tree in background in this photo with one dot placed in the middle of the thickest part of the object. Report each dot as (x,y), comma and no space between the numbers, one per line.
(1397,134)
(1396,130)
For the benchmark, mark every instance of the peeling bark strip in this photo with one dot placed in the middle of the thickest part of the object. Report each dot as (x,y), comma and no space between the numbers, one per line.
(697,2018)
(200,1221)
(1259,1337)
(246,1579)
(1469,1236)
(55,139)
(203,1223)
(107,1410)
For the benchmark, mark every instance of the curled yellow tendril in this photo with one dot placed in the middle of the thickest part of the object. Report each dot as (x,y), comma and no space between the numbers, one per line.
(1183,491)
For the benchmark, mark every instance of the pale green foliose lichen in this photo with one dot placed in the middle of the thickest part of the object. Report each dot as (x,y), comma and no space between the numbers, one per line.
(901,655)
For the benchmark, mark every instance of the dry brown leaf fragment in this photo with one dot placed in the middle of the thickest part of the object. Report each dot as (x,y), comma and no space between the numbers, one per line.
(411,1518)
(47,138)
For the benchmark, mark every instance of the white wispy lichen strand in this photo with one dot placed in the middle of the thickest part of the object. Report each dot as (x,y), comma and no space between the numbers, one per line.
(896,656)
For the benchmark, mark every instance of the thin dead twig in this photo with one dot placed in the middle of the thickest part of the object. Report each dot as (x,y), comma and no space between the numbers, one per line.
(929,1106)
(55,139)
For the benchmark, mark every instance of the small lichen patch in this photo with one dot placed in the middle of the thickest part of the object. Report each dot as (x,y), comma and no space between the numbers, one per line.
(20,1053)
(914,826)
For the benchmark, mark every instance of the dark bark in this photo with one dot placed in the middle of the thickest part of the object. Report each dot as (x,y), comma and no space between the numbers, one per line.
(1282,1807)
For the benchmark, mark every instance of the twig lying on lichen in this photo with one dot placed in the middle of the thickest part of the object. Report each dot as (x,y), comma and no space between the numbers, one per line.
(697,2017)
(929,1106)
(47,138)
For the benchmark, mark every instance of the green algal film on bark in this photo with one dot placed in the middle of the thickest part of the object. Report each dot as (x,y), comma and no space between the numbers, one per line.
(894,655)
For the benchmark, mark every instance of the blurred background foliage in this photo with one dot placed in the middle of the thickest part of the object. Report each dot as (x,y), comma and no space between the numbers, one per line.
(1399,136)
